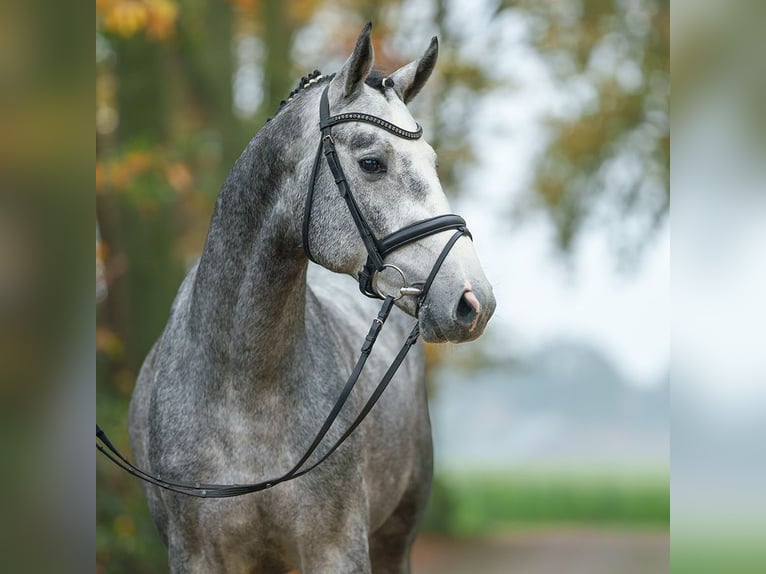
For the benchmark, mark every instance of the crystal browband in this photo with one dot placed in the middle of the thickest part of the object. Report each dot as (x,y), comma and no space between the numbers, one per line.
(381,123)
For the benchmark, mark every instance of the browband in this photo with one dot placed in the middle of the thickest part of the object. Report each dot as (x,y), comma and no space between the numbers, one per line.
(374,120)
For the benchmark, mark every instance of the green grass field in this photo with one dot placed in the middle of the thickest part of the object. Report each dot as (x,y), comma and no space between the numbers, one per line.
(468,504)
(463,504)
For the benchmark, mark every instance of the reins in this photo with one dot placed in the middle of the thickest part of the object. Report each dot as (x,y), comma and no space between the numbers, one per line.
(376,250)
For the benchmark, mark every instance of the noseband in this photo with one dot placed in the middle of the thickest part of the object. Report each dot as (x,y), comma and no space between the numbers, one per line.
(377,249)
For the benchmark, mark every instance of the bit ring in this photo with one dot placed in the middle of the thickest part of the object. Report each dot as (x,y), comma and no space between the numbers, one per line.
(375,281)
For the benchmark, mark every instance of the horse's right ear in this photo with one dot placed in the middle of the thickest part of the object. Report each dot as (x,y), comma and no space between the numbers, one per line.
(409,79)
(354,72)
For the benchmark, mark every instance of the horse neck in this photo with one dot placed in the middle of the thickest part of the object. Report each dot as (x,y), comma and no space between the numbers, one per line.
(249,293)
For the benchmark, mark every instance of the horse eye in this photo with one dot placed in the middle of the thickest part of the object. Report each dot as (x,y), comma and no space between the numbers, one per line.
(372,165)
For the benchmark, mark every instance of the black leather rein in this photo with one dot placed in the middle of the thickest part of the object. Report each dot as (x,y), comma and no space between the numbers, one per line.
(377,249)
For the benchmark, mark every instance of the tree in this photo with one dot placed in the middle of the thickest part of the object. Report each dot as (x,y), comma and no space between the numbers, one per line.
(606,162)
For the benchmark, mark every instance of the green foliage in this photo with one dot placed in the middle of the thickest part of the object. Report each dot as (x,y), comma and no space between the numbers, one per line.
(608,156)
(167,135)
(470,504)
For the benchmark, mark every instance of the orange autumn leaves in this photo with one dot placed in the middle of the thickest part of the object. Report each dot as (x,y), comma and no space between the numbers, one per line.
(126,18)
(119,173)
(158,18)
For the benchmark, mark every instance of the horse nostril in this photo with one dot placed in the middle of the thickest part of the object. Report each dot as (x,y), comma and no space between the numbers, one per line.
(468,309)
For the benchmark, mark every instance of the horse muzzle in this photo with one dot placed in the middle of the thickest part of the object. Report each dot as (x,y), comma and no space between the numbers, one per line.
(463,320)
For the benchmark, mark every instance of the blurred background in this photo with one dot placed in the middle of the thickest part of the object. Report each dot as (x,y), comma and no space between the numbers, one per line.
(550,119)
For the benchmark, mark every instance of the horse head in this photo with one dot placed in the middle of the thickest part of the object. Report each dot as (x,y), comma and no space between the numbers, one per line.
(394,184)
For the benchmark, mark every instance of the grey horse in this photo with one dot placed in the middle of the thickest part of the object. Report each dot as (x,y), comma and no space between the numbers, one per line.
(259,342)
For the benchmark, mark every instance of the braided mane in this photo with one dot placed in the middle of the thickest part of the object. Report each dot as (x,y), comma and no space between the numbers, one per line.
(374,80)
(306,81)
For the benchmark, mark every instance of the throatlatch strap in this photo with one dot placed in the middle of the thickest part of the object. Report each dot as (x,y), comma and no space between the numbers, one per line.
(309,203)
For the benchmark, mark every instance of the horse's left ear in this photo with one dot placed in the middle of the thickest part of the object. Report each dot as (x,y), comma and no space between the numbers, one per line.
(350,78)
(409,79)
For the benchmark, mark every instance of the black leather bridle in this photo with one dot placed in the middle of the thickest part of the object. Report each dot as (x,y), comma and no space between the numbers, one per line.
(377,249)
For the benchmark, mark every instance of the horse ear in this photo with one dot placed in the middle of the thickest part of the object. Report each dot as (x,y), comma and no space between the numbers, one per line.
(409,79)
(356,69)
